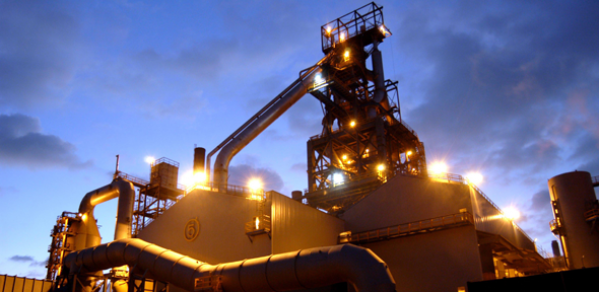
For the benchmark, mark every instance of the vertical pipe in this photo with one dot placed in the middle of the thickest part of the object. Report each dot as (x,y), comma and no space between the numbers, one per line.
(199,158)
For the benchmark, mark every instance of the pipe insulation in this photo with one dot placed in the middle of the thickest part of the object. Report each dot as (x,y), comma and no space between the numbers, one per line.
(88,234)
(259,122)
(303,269)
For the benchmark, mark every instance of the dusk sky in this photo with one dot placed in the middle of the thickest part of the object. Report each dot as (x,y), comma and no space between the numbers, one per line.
(506,88)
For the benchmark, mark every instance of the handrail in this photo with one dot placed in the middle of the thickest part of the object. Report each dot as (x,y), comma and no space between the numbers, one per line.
(591,214)
(133,179)
(407,228)
(452,177)
(138,182)
(165,160)
(230,189)
(351,24)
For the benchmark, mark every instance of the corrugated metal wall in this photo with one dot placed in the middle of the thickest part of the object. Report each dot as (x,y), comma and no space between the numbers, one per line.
(21,284)
(296,226)
(221,237)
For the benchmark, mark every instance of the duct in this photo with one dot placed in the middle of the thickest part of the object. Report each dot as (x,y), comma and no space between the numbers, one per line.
(88,234)
(380,91)
(303,269)
(260,121)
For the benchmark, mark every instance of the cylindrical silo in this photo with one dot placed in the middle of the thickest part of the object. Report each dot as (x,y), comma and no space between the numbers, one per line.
(571,195)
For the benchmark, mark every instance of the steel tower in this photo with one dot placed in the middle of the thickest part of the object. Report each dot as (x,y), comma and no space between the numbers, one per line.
(364,140)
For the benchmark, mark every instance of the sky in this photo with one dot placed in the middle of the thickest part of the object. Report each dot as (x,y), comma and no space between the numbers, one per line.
(505,88)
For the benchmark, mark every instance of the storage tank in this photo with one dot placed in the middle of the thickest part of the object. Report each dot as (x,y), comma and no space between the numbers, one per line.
(572,194)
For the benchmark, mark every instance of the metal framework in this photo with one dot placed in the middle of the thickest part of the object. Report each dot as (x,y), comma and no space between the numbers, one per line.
(154,197)
(364,141)
(62,242)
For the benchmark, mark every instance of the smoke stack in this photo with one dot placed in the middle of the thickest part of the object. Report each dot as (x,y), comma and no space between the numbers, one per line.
(199,157)
(555,248)
(296,195)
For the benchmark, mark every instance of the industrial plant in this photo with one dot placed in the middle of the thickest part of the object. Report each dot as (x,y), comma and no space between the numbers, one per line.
(374,217)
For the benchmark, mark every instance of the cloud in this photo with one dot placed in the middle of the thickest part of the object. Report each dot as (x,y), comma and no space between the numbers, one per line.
(21,143)
(38,52)
(20,258)
(541,200)
(240,175)
(498,81)
(299,167)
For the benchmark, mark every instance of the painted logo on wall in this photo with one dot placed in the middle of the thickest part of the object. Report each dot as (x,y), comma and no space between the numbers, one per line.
(192,229)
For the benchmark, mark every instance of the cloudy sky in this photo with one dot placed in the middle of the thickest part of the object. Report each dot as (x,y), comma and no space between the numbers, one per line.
(510,89)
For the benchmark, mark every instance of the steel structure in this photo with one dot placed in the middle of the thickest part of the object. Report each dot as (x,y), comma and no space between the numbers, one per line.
(364,140)
(364,148)
(154,197)
(62,244)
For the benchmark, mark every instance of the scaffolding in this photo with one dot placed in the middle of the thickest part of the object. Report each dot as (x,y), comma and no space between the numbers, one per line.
(154,197)
(63,242)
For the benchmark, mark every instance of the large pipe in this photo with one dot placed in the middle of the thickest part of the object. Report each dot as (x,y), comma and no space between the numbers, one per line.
(256,124)
(88,234)
(303,269)
(380,91)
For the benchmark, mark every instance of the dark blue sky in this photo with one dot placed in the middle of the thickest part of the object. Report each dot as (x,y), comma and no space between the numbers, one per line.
(507,88)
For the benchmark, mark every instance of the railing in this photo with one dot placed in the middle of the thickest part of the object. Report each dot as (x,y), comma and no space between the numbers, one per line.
(71,215)
(142,182)
(595,180)
(452,177)
(352,24)
(591,214)
(263,225)
(133,179)
(231,190)
(554,226)
(447,221)
(165,160)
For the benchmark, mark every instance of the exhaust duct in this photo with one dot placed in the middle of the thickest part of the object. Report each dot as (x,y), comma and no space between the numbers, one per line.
(88,234)
(259,122)
(303,269)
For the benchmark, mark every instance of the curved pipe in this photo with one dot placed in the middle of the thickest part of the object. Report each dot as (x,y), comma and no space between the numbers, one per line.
(88,234)
(303,269)
(259,122)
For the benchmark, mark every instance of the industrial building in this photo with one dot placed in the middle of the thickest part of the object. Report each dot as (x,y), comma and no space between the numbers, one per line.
(373,216)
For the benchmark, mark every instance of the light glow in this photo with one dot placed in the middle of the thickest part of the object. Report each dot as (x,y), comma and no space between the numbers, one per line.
(342,36)
(255,185)
(511,213)
(438,168)
(329,30)
(337,179)
(381,167)
(346,55)
(149,159)
(474,178)
(352,124)
(257,223)
(344,157)
(193,180)
(409,153)
(318,79)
